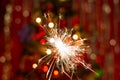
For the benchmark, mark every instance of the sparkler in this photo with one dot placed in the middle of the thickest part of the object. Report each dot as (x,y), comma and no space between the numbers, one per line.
(65,50)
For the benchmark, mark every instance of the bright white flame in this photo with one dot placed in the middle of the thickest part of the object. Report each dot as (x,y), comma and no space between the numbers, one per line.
(38,19)
(52,40)
(51,25)
(48,51)
(34,66)
(66,51)
(63,50)
(75,36)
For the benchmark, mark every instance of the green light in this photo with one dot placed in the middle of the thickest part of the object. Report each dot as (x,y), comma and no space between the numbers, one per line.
(100,73)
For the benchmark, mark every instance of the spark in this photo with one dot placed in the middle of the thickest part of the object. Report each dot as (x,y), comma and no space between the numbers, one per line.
(64,52)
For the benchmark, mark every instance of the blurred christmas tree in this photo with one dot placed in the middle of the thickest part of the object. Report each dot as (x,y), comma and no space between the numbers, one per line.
(32,37)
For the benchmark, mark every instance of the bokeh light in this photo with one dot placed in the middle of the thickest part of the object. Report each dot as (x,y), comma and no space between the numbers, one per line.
(48,51)
(56,72)
(34,65)
(75,36)
(38,19)
(52,40)
(51,25)
(45,68)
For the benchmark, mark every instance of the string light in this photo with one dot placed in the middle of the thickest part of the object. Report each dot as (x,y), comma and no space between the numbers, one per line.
(75,36)
(34,66)
(106,8)
(38,19)
(56,72)
(51,25)
(45,68)
(2,59)
(48,51)
(112,42)
(25,13)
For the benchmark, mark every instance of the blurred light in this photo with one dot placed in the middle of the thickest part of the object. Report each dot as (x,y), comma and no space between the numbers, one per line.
(5,77)
(25,13)
(17,20)
(6,30)
(106,8)
(48,51)
(34,66)
(75,36)
(18,8)
(7,18)
(9,8)
(112,42)
(38,19)
(115,1)
(117,49)
(76,27)
(52,40)
(42,41)
(60,16)
(51,25)
(100,73)
(8,56)
(2,59)
(93,56)
(56,73)
(89,51)
(45,68)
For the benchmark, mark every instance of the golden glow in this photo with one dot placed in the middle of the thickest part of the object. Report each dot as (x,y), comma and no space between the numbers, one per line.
(51,25)
(25,13)
(38,19)
(75,36)
(34,66)
(48,51)
(56,73)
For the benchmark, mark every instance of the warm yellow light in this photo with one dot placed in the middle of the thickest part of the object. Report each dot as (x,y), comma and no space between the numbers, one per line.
(75,36)
(34,66)
(51,25)
(48,51)
(56,73)
(93,56)
(38,19)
